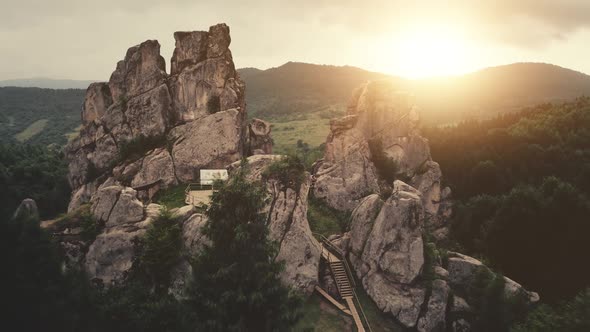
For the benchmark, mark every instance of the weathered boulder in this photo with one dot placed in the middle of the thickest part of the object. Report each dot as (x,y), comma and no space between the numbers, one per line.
(110,257)
(260,141)
(401,301)
(147,114)
(463,270)
(386,251)
(206,88)
(394,246)
(156,167)
(27,209)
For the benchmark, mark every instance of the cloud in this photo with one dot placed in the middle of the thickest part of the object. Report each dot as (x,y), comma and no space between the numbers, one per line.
(84,39)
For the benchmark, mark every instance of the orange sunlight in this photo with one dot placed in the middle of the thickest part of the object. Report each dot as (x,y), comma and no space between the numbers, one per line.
(432,51)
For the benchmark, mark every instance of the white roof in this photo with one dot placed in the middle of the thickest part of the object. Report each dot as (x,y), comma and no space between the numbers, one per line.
(207,176)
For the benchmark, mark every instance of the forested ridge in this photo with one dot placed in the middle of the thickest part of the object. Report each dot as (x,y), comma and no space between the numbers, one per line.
(522,185)
(39,116)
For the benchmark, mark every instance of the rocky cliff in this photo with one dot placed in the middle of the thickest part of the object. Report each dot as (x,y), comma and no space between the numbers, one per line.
(150,130)
(376,142)
(145,130)
(377,166)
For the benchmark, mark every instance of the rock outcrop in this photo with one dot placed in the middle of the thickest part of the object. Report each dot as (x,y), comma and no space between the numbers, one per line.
(376,141)
(260,140)
(377,166)
(150,130)
(146,130)
(288,225)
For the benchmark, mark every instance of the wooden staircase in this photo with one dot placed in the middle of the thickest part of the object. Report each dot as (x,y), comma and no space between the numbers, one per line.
(344,282)
(341,278)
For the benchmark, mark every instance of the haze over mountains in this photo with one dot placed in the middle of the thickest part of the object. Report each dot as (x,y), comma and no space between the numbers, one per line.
(300,98)
(46,83)
(295,87)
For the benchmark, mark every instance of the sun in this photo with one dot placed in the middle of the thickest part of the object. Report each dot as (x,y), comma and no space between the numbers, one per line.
(429,52)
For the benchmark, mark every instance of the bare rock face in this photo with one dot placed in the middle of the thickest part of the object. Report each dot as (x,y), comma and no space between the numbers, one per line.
(142,70)
(288,225)
(380,134)
(110,257)
(204,80)
(212,142)
(151,130)
(386,251)
(346,174)
(434,319)
(98,99)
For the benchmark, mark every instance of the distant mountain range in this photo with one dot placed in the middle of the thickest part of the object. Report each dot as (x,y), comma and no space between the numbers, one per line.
(46,83)
(301,87)
(295,90)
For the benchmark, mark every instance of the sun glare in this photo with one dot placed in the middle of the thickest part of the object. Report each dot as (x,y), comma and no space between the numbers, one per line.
(437,51)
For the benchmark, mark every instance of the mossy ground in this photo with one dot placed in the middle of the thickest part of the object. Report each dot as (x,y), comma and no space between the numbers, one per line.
(172,197)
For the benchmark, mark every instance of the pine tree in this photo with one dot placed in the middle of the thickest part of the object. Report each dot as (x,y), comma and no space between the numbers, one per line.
(236,284)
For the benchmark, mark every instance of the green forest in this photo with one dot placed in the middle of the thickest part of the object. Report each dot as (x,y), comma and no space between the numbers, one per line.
(39,116)
(521,182)
(242,278)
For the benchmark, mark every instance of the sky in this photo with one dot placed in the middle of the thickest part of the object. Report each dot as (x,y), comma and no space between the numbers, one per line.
(69,39)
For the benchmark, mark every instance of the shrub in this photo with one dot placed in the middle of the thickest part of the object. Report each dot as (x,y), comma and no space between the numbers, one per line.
(289,171)
(139,146)
(573,315)
(386,167)
(238,287)
(160,249)
(213,105)
(325,220)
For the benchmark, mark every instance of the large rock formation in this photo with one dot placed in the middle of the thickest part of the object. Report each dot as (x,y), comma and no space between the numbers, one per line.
(379,167)
(287,223)
(145,130)
(376,141)
(151,130)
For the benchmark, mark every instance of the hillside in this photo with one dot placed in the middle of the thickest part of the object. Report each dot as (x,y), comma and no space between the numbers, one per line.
(296,88)
(39,116)
(299,98)
(494,90)
(523,177)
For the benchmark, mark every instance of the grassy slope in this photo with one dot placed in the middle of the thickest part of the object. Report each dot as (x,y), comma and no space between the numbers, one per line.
(311,128)
(320,315)
(33,129)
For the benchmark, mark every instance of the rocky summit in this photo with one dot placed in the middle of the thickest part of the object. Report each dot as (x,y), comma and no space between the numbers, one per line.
(149,130)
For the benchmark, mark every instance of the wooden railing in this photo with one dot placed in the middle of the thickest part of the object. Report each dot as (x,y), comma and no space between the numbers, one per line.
(327,245)
(330,246)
